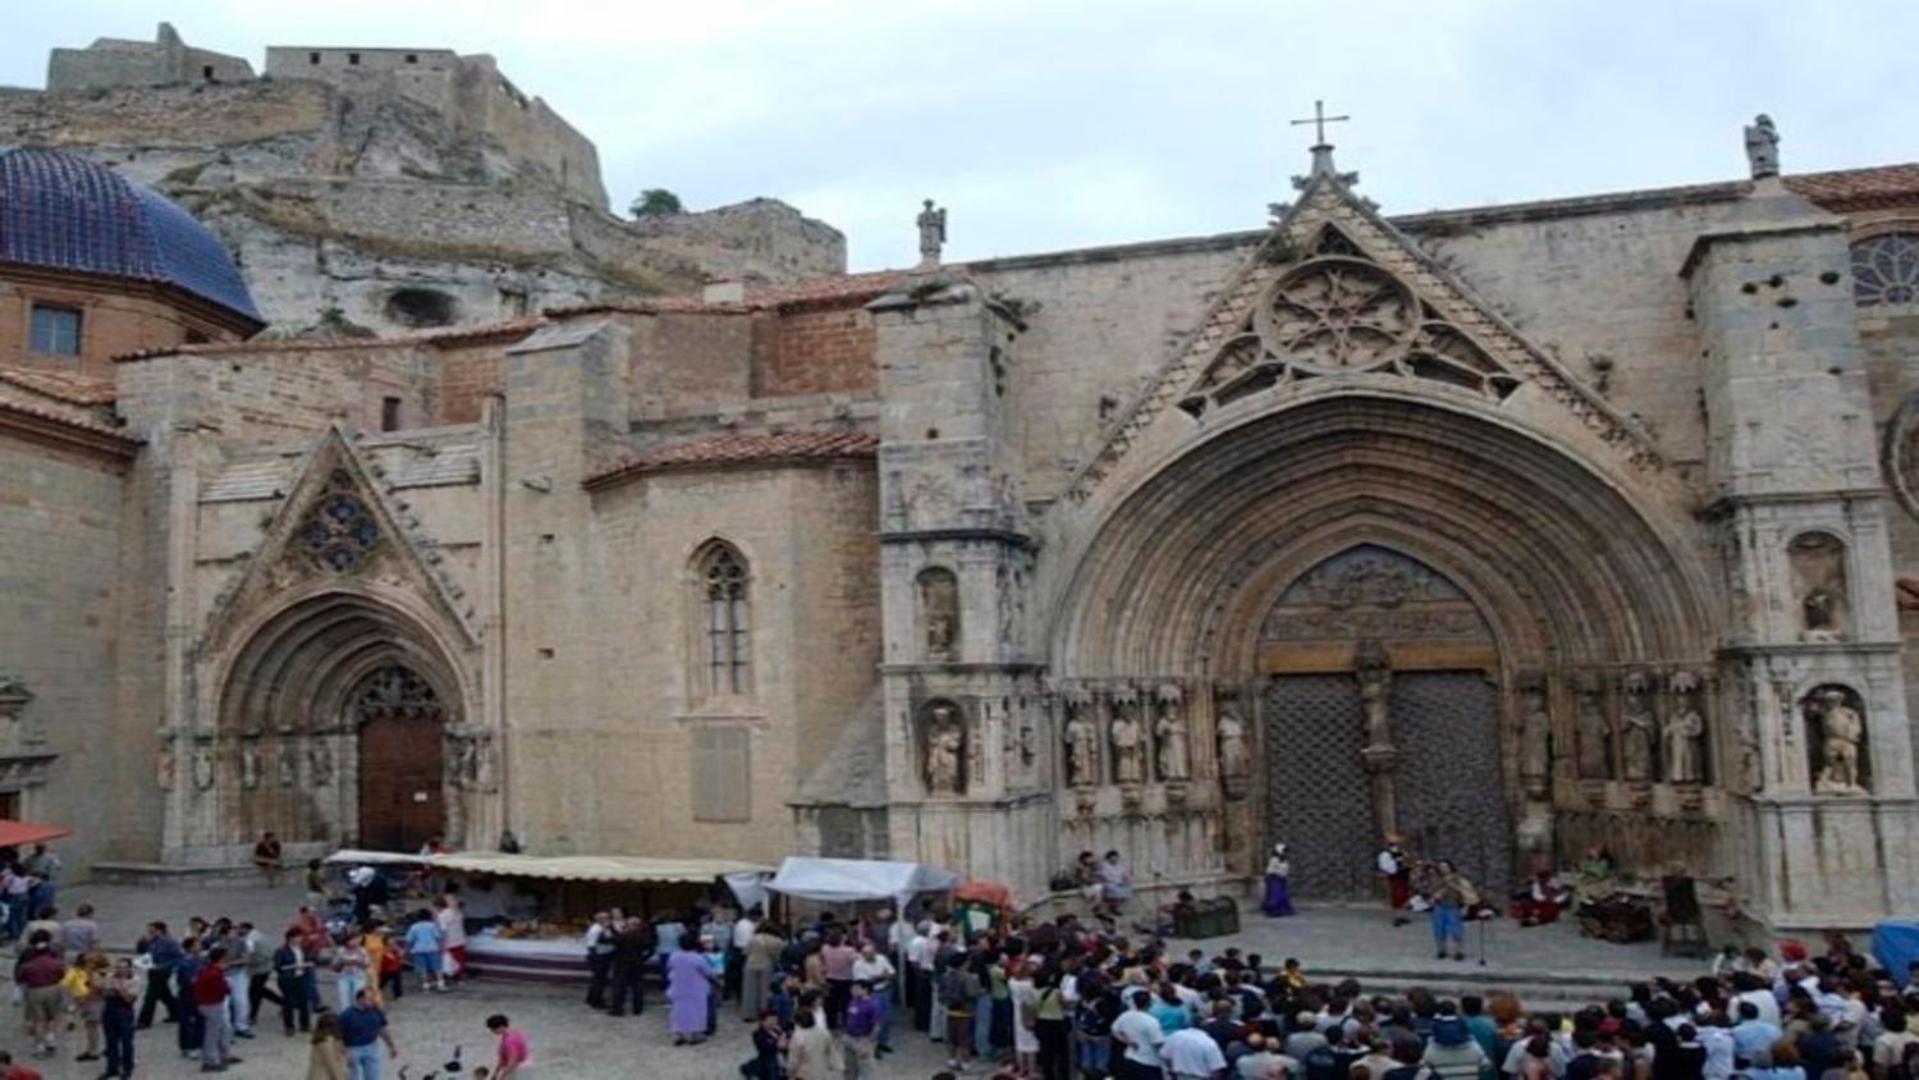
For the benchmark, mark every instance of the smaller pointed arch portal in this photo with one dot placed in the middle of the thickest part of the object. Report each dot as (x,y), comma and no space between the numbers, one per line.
(402,727)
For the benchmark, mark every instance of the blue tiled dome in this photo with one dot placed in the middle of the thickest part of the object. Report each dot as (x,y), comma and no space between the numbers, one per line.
(62,211)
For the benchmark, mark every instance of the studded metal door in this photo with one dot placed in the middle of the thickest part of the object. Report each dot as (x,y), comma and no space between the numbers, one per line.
(1452,799)
(1316,794)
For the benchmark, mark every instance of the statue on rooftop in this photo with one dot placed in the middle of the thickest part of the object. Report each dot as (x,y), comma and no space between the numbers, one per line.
(1762,147)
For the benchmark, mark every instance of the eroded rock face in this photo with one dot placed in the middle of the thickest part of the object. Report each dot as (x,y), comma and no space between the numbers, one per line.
(409,190)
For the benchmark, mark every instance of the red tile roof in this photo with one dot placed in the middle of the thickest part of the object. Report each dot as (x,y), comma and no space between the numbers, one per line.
(446,335)
(1883,187)
(729,450)
(60,385)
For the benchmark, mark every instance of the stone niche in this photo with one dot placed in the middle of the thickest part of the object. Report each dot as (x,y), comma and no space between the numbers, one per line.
(1836,741)
(1818,563)
(937,592)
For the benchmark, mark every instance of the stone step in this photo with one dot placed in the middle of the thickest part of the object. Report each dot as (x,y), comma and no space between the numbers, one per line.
(166,874)
(1534,988)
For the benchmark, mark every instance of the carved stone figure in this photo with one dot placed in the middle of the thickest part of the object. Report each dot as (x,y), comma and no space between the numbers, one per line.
(1751,762)
(1375,675)
(1082,746)
(165,765)
(932,226)
(465,765)
(1129,765)
(249,766)
(203,767)
(945,751)
(1842,730)
(1762,147)
(1535,722)
(1637,726)
(1234,759)
(289,766)
(939,612)
(1683,733)
(1594,734)
(486,768)
(1819,617)
(320,764)
(1175,756)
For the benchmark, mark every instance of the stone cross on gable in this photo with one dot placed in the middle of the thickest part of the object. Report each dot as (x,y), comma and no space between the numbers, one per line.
(1319,120)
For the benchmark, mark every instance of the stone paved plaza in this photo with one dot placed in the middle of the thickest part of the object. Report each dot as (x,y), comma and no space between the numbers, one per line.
(570,1041)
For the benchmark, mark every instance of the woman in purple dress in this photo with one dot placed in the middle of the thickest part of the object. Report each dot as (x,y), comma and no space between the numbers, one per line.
(689,985)
(1279,868)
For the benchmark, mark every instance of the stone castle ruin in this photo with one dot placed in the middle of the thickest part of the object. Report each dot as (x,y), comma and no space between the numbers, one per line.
(368,191)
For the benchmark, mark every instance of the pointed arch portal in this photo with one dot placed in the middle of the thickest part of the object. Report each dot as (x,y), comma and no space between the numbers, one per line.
(1381,579)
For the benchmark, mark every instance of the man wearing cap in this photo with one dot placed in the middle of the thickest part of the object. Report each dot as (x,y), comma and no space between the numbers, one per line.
(1453,1054)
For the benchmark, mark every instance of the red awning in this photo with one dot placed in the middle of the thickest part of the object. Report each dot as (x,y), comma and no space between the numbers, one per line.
(22,833)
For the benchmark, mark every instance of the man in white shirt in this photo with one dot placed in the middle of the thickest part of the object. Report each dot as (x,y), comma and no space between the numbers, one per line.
(1191,1054)
(875,969)
(1139,1032)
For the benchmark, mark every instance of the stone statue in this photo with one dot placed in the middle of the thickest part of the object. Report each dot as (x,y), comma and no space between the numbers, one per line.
(1174,761)
(289,766)
(486,767)
(1751,762)
(1374,670)
(1129,766)
(1762,147)
(1843,730)
(1684,730)
(932,225)
(320,763)
(165,765)
(1820,616)
(1234,760)
(1536,723)
(1637,725)
(249,766)
(203,767)
(1082,747)
(1594,734)
(945,745)
(466,762)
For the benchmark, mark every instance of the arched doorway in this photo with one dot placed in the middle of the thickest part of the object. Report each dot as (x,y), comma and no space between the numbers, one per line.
(342,709)
(402,728)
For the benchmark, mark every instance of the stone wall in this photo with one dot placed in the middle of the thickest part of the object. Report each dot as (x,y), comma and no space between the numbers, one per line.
(116,62)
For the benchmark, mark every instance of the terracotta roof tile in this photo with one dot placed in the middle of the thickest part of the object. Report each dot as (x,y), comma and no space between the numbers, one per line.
(60,385)
(1884,187)
(725,450)
(69,419)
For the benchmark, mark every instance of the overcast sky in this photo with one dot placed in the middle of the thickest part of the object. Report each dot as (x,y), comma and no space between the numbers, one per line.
(1046,125)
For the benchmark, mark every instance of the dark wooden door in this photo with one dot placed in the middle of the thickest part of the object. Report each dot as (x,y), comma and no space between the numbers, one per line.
(402,798)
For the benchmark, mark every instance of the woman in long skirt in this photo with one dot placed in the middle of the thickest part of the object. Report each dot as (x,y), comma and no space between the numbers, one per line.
(689,985)
(1279,900)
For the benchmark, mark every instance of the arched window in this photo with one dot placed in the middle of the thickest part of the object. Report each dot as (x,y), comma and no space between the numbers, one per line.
(1885,269)
(729,653)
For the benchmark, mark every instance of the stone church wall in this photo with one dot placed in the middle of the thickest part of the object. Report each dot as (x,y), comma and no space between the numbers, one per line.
(62,524)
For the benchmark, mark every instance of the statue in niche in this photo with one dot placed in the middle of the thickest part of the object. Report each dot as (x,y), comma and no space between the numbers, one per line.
(1637,725)
(1129,765)
(1841,730)
(1234,759)
(1082,743)
(485,766)
(1818,566)
(1535,722)
(945,751)
(1685,733)
(203,767)
(1819,617)
(939,612)
(465,766)
(1594,734)
(165,766)
(320,763)
(1175,758)
(1762,147)
(249,766)
(289,766)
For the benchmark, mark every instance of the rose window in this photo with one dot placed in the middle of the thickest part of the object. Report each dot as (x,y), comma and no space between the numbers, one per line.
(1340,315)
(339,532)
(1885,269)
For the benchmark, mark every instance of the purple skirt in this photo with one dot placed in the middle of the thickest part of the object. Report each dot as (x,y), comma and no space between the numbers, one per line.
(1277,901)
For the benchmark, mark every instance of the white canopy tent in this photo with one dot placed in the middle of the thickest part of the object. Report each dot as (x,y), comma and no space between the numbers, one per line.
(848,880)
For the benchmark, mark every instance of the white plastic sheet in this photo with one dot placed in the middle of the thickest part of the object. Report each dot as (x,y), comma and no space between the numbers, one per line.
(848,880)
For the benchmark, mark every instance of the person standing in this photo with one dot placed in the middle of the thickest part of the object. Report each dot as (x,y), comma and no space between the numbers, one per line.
(316,884)
(425,945)
(1278,901)
(363,1028)
(266,858)
(756,970)
(512,1056)
(599,958)
(326,1054)
(632,951)
(874,969)
(1449,911)
(119,993)
(689,985)
(39,973)
(741,938)
(84,982)
(1051,1028)
(43,867)
(210,992)
(350,964)
(260,989)
(811,1053)
(860,1028)
(240,948)
(1140,1036)
(293,970)
(163,954)
(450,913)
(1396,870)
(836,963)
(80,935)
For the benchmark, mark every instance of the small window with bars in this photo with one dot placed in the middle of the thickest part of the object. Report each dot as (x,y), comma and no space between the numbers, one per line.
(54,330)
(723,581)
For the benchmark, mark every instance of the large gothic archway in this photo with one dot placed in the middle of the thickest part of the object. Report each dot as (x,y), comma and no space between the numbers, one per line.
(1558,604)
(341,720)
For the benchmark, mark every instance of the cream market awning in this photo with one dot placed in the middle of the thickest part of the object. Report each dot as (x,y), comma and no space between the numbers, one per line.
(613,868)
